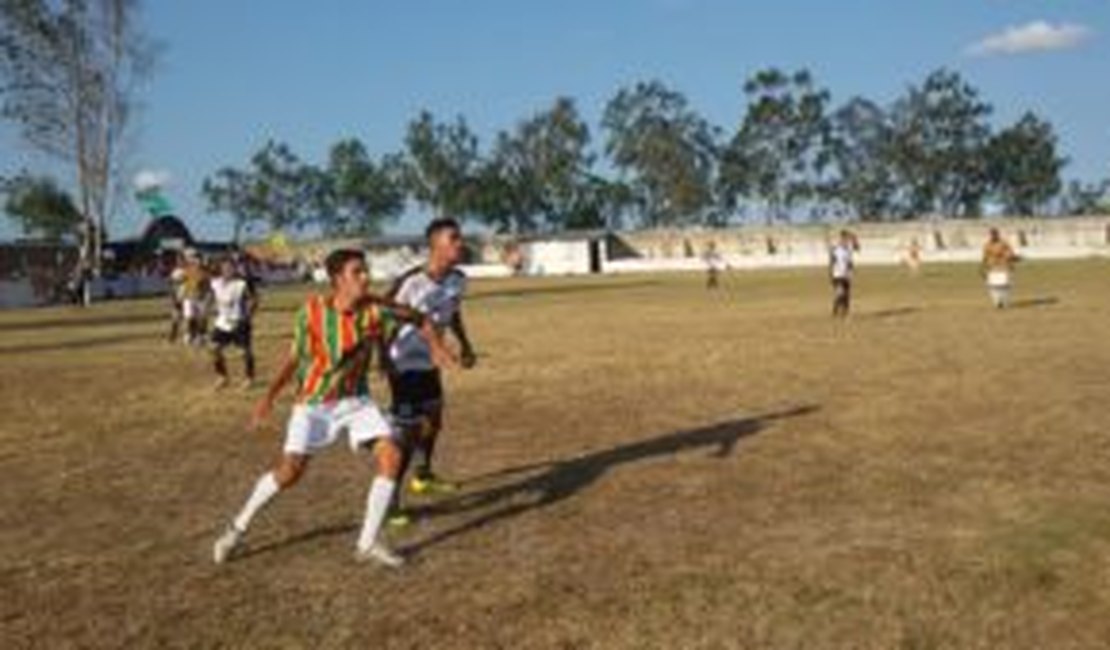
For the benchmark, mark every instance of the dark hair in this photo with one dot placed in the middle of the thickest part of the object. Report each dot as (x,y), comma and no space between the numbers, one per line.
(338,259)
(442,223)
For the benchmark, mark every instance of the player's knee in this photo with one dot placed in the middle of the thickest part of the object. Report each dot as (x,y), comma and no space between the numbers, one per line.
(290,470)
(388,456)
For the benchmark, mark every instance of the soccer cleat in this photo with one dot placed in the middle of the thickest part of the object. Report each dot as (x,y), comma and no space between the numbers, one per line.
(399,520)
(380,553)
(226,544)
(220,384)
(431,485)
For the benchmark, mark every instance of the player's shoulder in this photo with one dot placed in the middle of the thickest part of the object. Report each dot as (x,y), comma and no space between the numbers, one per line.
(456,276)
(406,276)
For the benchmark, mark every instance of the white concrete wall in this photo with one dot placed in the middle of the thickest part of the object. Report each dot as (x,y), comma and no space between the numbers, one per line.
(556,257)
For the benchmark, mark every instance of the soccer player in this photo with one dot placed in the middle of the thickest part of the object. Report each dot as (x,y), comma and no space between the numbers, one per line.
(841,267)
(713,264)
(236,302)
(176,279)
(194,294)
(334,339)
(997,268)
(436,289)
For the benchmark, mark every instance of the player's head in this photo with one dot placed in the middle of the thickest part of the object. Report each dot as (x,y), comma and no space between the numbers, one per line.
(227,268)
(445,242)
(845,237)
(347,272)
(995,235)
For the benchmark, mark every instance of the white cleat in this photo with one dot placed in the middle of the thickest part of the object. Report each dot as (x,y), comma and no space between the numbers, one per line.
(226,544)
(380,553)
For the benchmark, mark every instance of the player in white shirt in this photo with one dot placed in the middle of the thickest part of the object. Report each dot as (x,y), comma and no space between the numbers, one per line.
(841,267)
(436,289)
(235,302)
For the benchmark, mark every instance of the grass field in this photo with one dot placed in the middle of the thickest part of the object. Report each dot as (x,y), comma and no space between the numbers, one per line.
(645,465)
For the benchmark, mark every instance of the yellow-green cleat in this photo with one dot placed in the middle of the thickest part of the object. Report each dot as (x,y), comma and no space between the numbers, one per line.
(399,521)
(431,485)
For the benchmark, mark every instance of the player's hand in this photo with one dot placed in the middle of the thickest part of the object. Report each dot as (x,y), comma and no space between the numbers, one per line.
(468,359)
(443,357)
(261,413)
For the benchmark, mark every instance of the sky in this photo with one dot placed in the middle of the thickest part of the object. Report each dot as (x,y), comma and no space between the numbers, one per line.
(235,73)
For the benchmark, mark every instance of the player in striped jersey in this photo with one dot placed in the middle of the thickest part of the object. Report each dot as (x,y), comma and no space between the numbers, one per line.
(334,339)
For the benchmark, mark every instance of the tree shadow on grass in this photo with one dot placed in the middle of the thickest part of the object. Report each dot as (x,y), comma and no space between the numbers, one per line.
(552,482)
(83,320)
(78,344)
(558,289)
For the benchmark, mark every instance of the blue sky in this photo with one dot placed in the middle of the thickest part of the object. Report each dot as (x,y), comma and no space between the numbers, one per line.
(236,72)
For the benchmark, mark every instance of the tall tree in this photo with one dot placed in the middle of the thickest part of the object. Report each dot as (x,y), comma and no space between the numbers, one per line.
(860,143)
(544,162)
(1024,166)
(780,151)
(669,151)
(939,146)
(276,188)
(231,191)
(1083,199)
(41,207)
(360,194)
(442,164)
(70,70)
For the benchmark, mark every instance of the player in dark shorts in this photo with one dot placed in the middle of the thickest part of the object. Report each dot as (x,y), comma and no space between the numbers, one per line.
(436,289)
(236,301)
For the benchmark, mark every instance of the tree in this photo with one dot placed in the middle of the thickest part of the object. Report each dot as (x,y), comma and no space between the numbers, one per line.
(1024,166)
(1082,199)
(442,164)
(601,203)
(543,163)
(779,151)
(276,188)
(70,69)
(668,149)
(859,144)
(359,194)
(230,191)
(940,132)
(41,207)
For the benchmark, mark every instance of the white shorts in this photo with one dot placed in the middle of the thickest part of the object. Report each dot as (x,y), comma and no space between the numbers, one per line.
(192,309)
(998,279)
(312,427)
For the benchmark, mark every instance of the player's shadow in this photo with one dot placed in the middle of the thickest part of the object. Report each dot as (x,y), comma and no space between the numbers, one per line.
(551,482)
(1032,303)
(895,312)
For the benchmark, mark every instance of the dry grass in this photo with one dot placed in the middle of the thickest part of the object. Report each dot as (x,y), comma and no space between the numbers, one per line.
(648,466)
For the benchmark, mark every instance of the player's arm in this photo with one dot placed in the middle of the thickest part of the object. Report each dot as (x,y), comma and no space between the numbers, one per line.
(286,371)
(253,299)
(284,375)
(458,328)
(442,355)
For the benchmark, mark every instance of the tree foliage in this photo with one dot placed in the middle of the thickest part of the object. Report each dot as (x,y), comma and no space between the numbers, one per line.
(667,149)
(41,207)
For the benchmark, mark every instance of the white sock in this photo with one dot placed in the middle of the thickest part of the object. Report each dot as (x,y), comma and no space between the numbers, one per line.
(377,504)
(264,490)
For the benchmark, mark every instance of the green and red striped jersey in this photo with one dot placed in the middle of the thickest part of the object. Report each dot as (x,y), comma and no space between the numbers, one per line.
(333,349)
